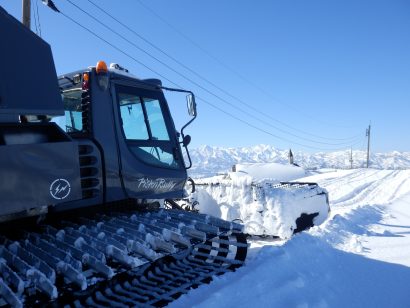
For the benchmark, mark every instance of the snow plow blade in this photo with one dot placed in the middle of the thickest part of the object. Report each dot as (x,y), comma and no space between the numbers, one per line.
(127,258)
(266,208)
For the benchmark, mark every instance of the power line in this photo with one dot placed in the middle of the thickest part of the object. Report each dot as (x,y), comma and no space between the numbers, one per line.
(189,79)
(117,48)
(228,68)
(218,87)
(269,133)
(175,84)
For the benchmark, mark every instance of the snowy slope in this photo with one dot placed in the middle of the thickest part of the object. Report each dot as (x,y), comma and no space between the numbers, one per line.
(209,160)
(360,257)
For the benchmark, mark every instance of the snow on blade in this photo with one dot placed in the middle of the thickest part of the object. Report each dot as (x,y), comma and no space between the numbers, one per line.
(264,206)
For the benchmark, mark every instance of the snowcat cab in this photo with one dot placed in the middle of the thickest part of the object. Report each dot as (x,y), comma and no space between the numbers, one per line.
(97,238)
(129,122)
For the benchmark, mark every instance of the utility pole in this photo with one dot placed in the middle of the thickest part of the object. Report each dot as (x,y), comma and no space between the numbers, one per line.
(26,19)
(368,145)
(351,158)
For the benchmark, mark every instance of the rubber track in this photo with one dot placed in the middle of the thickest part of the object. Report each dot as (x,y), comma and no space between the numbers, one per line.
(118,260)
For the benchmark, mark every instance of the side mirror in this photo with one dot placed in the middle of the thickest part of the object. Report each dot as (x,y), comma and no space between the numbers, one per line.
(191,104)
(186,140)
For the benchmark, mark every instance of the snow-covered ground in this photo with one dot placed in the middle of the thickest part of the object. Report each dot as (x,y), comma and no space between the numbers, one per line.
(360,257)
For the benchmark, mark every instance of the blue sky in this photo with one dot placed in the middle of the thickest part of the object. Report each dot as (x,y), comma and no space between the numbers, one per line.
(306,75)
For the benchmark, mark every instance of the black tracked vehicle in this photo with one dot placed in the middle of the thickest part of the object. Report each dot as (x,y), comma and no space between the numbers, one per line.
(89,166)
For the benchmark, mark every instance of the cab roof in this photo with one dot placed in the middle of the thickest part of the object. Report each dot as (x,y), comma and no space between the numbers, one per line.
(71,79)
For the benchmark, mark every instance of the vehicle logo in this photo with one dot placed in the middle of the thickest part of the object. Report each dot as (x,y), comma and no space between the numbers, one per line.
(60,189)
(158,185)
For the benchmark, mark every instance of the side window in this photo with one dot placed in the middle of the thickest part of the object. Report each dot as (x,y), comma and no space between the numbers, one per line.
(132,116)
(73,113)
(156,119)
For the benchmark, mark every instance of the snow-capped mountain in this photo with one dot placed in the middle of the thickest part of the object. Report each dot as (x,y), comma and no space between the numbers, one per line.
(208,160)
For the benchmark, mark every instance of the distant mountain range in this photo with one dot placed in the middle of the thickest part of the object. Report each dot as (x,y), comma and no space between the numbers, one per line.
(208,160)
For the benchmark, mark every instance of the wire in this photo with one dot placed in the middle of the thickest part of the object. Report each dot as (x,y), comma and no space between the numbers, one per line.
(117,48)
(269,133)
(175,84)
(194,82)
(218,87)
(240,76)
(215,85)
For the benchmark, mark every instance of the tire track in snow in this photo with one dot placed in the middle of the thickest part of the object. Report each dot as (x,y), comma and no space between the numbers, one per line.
(369,192)
(365,177)
(406,182)
(352,194)
(337,189)
(352,191)
(382,193)
(343,178)
(358,177)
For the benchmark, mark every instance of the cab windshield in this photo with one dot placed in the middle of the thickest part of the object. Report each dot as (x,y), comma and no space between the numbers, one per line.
(145,128)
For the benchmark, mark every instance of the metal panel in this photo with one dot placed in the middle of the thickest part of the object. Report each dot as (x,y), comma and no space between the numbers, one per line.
(35,175)
(28,79)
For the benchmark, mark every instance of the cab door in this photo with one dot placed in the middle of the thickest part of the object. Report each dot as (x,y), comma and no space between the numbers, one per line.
(151,161)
